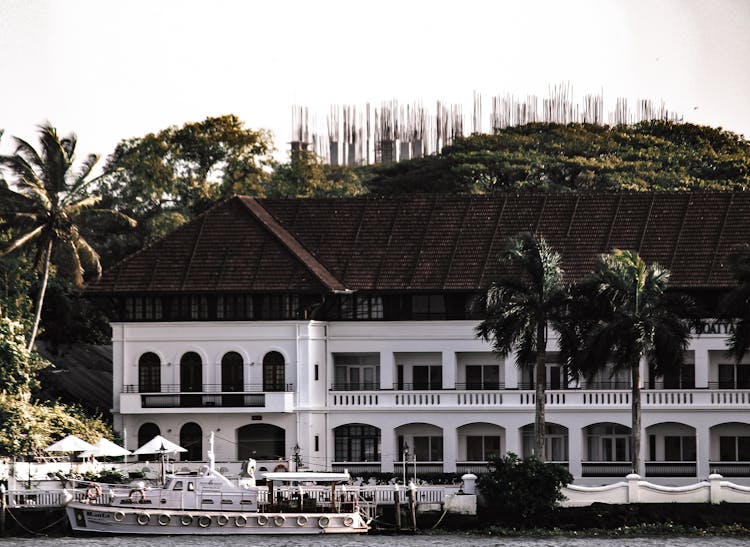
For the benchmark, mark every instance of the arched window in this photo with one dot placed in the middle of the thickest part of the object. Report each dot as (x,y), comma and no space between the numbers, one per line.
(260,442)
(191,378)
(191,439)
(149,373)
(357,443)
(145,433)
(273,371)
(232,378)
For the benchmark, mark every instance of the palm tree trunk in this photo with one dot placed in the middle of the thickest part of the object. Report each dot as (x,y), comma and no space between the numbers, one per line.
(635,409)
(40,294)
(540,372)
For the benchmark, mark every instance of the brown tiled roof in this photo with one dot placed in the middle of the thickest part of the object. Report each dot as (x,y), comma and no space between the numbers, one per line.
(431,242)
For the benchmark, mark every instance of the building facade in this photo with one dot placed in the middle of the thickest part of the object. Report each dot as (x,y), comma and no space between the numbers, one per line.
(341,334)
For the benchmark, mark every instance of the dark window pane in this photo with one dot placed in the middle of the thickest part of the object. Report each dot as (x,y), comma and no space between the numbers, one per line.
(727,449)
(673,449)
(743,449)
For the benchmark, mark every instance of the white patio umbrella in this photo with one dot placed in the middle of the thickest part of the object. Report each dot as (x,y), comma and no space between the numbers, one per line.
(160,445)
(71,443)
(104,448)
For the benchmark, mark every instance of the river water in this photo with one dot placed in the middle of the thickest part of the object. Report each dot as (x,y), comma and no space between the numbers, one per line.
(370,541)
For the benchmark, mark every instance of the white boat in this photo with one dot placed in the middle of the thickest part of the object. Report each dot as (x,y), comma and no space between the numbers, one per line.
(207,503)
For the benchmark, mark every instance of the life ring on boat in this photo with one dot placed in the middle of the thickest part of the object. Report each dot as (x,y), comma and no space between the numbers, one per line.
(119,516)
(136,495)
(164,519)
(348,521)
(262,520)
(323,522)
(240,521)
(279,520)
(186,520)
(301,520)
(204,521)
(143,519)
(221,520)
(281,468)
(93,491)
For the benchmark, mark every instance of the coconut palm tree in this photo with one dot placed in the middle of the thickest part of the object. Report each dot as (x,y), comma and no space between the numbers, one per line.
(520,310)
(630,315)
(736,303)
(44,207)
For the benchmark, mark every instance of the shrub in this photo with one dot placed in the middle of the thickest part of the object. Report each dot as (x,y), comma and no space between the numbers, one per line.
(519,491)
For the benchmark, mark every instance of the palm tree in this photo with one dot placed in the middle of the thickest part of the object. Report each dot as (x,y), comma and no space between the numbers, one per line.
(736,304)
(46,205)
(519,311)
(629,314)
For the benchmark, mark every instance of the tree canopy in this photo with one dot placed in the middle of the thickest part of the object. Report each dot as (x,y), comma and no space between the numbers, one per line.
(653,155)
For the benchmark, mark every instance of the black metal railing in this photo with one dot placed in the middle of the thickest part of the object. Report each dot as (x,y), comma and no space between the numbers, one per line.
(671,469)
(211,388)
(480,386)
(154,400)
(730,469)
(605,469)
(356,386)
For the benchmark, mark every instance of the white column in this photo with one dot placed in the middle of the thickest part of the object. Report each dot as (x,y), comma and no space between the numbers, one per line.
(387,370)
(703,451)
(513,439)
(388,450)
(511,371)
(575,451)
(450,450)
(449,369)
(701,367)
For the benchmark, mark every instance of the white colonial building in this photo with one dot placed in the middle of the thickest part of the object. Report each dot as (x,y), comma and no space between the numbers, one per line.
(342,332)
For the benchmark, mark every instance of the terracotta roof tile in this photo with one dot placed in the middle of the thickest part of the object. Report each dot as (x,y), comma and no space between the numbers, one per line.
(431,242)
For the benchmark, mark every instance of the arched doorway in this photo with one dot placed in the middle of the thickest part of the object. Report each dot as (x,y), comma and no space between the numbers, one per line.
(273,371)
(149,373)
(261,442)
(145,433)
(191,378)
(191,439)
(232,378)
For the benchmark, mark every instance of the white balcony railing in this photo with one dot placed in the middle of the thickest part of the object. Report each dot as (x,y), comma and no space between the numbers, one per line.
(513,399)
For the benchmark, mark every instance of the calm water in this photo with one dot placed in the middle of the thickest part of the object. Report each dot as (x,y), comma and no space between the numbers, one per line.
(371,541)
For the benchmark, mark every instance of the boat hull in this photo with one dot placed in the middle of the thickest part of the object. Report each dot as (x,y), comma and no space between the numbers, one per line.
(104,519)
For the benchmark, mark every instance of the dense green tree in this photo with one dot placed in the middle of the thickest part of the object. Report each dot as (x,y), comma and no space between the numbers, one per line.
(45,207)
(164,179)
(653,155)
(735,305)
(630,315)
(18,365)
(520,309)
(305,175)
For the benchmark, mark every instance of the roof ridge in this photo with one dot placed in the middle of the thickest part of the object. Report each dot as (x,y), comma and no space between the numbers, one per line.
(293,245)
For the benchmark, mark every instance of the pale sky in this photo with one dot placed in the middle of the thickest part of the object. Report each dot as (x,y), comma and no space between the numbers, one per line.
(112,70)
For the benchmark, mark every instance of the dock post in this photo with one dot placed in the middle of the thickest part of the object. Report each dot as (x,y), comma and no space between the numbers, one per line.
(4,505)
(396,507)
(413,504)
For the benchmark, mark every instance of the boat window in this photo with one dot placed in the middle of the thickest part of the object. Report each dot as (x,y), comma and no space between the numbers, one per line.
(177,485)
(191,486)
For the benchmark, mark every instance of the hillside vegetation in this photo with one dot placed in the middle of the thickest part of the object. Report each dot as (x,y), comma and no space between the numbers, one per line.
(651,155)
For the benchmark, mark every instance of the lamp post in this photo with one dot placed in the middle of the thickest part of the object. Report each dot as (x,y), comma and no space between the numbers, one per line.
(406,457)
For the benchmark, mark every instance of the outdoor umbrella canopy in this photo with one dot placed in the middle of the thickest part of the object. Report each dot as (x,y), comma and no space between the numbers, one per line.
(159,445)
(71,443)
(104,448)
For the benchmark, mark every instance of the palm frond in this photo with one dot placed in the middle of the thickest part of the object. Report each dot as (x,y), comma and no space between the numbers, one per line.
(90,259)
(22,240)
